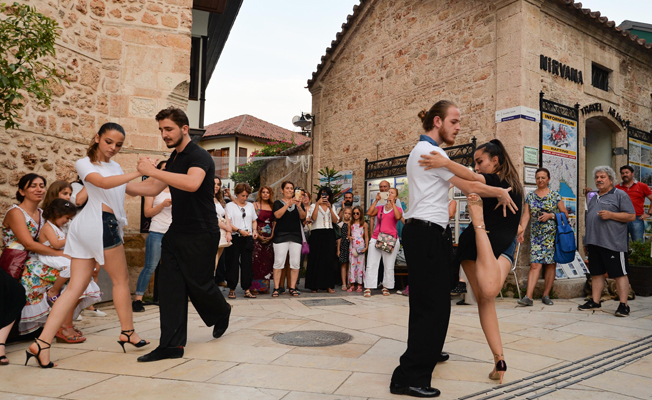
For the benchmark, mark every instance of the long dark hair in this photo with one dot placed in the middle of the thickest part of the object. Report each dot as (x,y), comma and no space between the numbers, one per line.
(505,169)
(59,208)
(93,149)
(25,182)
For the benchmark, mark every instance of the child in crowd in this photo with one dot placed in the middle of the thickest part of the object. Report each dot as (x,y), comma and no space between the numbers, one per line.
(359,237)
(58,214)
(57,190)
(343,245)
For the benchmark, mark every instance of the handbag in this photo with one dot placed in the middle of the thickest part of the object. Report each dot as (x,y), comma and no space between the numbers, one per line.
(565,245)
(13,260)
(305,247)
(385,241)
(338,231)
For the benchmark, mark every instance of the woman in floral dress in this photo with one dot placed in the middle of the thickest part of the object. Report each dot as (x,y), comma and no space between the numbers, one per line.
(263,260)
(539,210)
(359,238)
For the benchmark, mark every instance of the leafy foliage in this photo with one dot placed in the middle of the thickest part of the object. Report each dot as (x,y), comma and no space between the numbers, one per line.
(640,253)
(250,172)
(330,175)
(26,36)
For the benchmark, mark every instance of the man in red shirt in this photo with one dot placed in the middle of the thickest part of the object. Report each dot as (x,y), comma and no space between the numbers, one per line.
(637,192)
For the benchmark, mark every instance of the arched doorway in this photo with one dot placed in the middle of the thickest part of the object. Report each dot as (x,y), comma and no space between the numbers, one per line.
(600,142)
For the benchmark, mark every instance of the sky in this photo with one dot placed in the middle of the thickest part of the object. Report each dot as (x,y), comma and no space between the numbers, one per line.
(275,46)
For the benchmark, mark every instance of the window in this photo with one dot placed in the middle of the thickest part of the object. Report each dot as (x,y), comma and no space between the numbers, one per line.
(600,77)
(222,162)
(242,156)
(195,66)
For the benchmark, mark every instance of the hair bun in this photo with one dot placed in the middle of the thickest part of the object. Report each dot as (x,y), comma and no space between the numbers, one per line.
(422,114)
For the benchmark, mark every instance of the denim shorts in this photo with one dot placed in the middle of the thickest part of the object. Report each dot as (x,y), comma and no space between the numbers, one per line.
(111,235)
(509,253)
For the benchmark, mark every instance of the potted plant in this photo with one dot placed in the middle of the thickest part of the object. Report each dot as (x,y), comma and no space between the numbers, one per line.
(640,268)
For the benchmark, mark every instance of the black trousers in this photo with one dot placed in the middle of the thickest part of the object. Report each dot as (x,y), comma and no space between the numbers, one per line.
(186,270)
(428,253)
(220,270)
(240,258)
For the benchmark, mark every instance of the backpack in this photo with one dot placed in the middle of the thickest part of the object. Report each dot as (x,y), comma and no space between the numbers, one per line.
(565,245)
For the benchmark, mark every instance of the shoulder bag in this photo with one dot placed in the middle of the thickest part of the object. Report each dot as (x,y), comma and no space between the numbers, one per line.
(565,245)
(305,247)
(385,241)
(13,260)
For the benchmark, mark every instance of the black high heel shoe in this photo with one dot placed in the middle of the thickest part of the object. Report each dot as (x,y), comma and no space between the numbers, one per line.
(129,334)
(37,355)
(499,371)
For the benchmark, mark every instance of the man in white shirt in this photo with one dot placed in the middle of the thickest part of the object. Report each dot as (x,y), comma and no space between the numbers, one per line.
(428,251)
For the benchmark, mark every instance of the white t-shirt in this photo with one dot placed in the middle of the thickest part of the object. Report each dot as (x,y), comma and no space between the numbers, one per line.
(219,210)
(85,235)
(235,214)
(161,221)
(428,189)
(323,220)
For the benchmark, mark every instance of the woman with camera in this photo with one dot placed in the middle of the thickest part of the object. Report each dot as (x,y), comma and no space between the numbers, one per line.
(540,209)
(322,260)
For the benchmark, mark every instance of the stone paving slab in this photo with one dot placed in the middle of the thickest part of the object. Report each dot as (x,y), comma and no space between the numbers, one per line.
(247,363)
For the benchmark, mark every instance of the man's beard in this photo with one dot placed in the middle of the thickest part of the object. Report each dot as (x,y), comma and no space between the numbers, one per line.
(175,144)
(442,136)
(348,203)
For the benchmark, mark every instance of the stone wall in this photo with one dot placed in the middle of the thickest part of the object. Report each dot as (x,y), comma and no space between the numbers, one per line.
(122,59)
(276,172)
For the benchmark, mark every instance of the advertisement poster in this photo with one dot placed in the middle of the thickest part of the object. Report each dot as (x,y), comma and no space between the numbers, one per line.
(560,158)
(640,158)
(399,182)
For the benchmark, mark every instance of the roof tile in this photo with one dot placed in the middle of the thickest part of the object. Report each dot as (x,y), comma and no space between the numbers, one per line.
(247,125)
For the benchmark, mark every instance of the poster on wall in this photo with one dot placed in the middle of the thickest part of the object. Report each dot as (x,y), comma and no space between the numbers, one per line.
(398,182)
(559,156)
(640,158)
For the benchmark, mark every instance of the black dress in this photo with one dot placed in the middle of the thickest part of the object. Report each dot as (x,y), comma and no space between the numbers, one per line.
(501,230)
(12,299)
(344,244)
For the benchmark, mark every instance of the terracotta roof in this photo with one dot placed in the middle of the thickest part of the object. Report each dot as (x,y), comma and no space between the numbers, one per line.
(593,16)
(246,125)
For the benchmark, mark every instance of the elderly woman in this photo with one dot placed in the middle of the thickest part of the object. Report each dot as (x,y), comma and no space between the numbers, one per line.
(320,273)
(540,209)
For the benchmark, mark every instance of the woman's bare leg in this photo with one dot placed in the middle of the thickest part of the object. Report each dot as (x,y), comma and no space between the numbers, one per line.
(549,276)
(80,277)
(116,266)
(4,334)
(532,279)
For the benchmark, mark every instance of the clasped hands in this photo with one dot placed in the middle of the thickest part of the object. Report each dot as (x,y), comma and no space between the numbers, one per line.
(146,165)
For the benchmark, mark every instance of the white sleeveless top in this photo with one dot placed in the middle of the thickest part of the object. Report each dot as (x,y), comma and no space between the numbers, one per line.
(86,231)
(161,221)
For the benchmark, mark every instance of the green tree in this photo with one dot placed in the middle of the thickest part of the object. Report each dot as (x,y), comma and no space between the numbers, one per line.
(328,178)
(250,171)
(26,36)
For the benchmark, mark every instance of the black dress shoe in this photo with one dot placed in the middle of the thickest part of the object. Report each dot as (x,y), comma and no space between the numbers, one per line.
(162,353)
(222,325)
(137,306)
(443,357)
(425,391)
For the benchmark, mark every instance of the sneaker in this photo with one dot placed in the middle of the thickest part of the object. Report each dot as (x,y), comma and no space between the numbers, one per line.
(623,310)
(94,313)
(546,300)
(137,306)
(79,318)
(589,305)
(459,289)
(525,302)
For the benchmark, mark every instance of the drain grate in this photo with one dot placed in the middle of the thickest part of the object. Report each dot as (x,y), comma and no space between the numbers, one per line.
(312,338)
(326,302)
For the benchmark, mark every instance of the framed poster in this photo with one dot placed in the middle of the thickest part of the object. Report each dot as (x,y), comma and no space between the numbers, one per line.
(463,211)
(530,155)
(529,175)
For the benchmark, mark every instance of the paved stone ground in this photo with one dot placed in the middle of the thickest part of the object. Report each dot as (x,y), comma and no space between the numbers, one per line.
(247,364)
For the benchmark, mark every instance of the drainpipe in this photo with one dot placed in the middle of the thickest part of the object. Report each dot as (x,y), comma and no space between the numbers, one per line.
(202,94)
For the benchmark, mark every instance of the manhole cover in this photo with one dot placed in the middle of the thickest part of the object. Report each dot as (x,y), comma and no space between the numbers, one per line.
(312,338)
(325,302)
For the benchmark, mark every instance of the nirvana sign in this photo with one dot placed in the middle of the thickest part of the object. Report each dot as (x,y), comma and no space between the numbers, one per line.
(561,70)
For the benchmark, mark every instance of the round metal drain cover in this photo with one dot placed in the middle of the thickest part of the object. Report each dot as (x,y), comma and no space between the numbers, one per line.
(312,338)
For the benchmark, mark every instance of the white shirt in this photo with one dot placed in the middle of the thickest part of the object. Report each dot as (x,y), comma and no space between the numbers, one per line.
(324,220)
(235,214)
(161,221)
(219,210)
(86,230)
(428,189)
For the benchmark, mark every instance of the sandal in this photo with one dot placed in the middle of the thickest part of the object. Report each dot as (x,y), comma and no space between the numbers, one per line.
(385,292)
(69,339)
(350,289)
(128,334)
(359,289)
(294,292)
(367,293)
(344,288)
(3,359)
(38,354)
(52,299)
(232,294)
(275,293)
(329,290)
(247,295)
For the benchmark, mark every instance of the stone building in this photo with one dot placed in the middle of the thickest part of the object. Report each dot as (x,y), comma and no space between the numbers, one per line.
(493,58)
(123,61)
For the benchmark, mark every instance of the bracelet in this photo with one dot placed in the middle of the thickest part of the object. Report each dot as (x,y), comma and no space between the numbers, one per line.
(481,227)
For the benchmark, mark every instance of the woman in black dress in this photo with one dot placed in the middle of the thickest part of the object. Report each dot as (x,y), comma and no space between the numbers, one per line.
(322,259)
(486,247)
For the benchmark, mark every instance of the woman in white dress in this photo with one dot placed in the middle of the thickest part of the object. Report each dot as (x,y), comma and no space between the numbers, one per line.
(95,235)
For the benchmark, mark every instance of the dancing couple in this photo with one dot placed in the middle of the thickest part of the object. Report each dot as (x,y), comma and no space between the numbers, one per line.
(485,251)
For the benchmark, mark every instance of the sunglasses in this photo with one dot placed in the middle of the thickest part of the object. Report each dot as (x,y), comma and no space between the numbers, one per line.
(356,213)
(244,213)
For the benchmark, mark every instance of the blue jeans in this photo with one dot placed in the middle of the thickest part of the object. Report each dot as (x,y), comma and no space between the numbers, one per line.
(636,229)
(152,257)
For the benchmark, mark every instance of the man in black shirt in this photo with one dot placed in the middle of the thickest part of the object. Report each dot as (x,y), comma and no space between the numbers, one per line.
(190,245)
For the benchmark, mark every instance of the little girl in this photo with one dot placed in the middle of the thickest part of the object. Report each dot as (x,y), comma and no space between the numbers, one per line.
(359,238)
(343,245)
(57,214)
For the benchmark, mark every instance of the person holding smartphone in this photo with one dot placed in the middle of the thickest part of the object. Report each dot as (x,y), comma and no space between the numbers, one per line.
(320,273)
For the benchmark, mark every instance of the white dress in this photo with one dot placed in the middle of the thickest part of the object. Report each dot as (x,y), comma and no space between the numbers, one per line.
(85,234)
(91,295)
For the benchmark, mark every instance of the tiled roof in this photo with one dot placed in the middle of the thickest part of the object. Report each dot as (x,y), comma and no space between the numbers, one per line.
(594,16)
(246,125)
